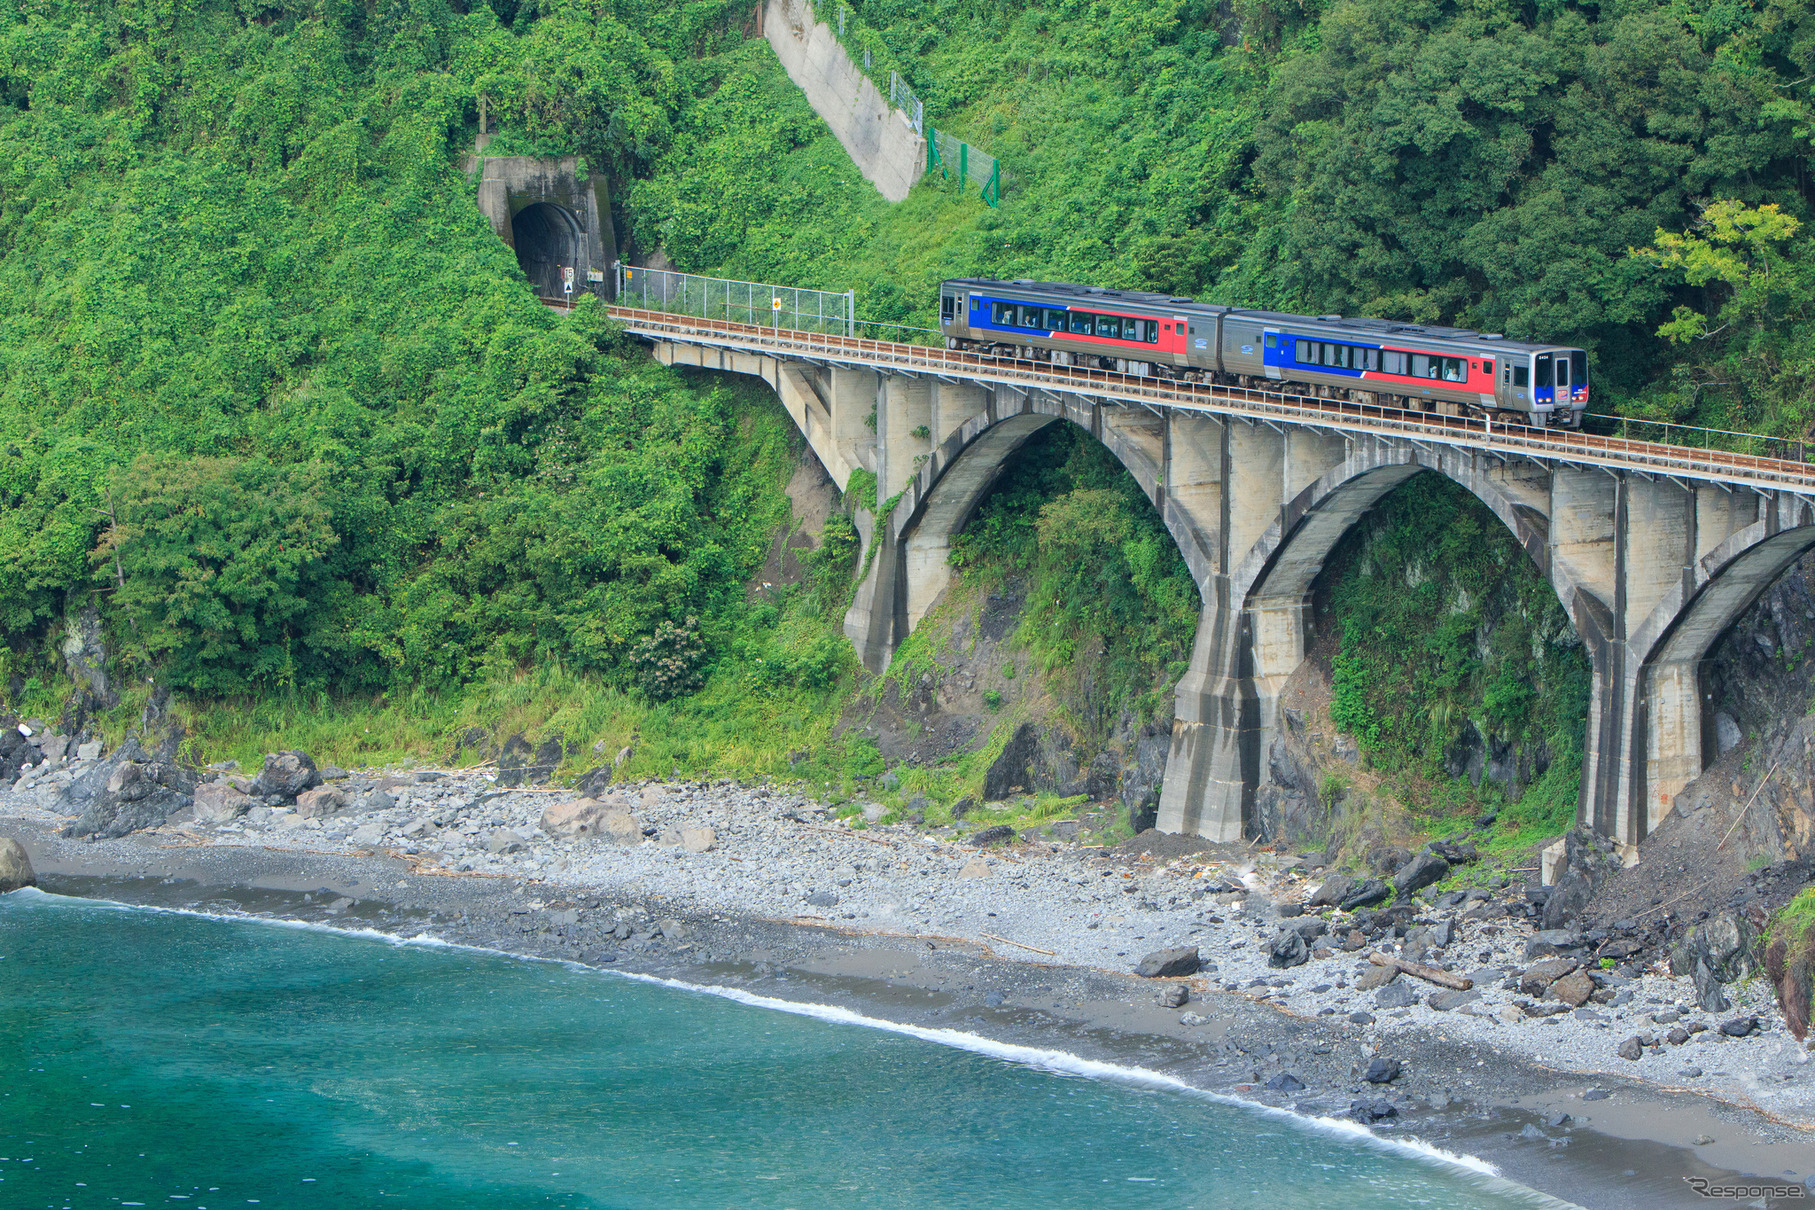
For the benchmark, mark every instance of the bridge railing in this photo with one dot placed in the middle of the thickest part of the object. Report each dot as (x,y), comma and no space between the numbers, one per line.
(787,308)
(1663,432)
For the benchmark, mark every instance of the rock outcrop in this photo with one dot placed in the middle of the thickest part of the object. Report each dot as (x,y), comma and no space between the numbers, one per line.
(127,793)
(15,866)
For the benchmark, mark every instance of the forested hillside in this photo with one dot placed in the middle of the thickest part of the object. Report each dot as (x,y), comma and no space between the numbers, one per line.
(276,402)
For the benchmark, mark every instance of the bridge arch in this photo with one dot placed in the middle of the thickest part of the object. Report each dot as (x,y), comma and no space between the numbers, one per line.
(951,480)
(1673,728)
(1245,657)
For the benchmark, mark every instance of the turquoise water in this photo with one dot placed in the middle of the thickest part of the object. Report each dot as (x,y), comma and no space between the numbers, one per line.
(163,1059)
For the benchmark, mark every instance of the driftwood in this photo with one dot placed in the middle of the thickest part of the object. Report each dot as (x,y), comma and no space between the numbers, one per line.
(1431,974)
(1023,945)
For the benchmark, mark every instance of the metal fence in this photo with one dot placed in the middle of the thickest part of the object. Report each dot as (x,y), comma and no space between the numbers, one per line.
(902,97)
(788,307)
(970,165)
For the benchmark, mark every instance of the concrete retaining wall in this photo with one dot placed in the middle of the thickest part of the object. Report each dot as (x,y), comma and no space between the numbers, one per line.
(878,139)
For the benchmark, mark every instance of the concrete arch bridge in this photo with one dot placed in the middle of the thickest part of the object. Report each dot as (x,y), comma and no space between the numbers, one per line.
(1653,549)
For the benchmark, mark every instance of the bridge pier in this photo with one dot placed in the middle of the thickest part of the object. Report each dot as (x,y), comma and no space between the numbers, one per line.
(1650,568)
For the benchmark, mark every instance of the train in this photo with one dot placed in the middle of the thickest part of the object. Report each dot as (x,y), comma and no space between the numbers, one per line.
(1420,367)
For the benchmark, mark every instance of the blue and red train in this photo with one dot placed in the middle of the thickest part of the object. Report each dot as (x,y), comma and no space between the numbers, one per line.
(1451,371)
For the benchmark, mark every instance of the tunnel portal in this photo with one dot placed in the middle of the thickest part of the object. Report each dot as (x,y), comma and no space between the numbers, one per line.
(548,240)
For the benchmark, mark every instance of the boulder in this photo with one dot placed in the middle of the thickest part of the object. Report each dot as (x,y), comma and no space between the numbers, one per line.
(698,840)
(1573,989)
(1539,976)
(1725,943)
(1285,1081)
(1455,852)
(822,899)
(377,800)
(1331,893)
(218,802)
(1288,949)
(1375,977)
(1000,834)
(15,866)
(1548,943)
(1369,1112)
(1368,894)
(1169,963)
(1631,1050)
(1446,1001)
(1396,995)
(1421,871)
(503,840)
(575,817)
(285,775)
(1382,1070)
(1173,995)
(320,803)
(1740,1027)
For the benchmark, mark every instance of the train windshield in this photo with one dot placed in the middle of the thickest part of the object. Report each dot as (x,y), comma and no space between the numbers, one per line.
(1578,368)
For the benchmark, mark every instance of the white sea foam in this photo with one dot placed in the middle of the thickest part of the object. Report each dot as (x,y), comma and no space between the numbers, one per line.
(1058,1062)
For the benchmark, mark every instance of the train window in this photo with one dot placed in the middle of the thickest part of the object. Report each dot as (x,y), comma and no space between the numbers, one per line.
(1543,370)
(1272,341)
(1487,366)
(1393,363)
(1521,376)
(1150,331)
(1131,329)
(1082,322)
(945,306)
(1563,371)
(1109,327)
(1424,366)
(1001,313)
(1330,354)
(1578,368)
(1306,353)
(1455,369)
(1030,317)
(1370,359)
(1055,320)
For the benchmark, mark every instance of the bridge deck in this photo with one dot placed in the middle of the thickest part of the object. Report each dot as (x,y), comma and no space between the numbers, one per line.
(1647,457)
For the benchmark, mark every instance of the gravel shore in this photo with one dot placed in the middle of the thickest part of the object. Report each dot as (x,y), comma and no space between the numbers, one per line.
(1037,938)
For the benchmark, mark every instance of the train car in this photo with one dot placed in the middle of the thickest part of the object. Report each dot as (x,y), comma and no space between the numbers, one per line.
(1453,371)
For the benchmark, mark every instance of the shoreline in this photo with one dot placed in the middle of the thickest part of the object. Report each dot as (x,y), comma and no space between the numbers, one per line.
(1459,1093)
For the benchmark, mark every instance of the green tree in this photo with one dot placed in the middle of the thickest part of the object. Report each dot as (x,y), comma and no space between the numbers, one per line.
(213,563)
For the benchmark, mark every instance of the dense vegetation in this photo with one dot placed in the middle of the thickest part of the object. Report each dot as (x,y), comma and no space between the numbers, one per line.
(274,397)
(1446,635)
(1111,607)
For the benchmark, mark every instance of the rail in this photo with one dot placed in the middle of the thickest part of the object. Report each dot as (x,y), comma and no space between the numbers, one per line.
(1764,472)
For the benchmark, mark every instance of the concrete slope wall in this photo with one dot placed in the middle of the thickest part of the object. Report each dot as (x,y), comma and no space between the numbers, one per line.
(878,139)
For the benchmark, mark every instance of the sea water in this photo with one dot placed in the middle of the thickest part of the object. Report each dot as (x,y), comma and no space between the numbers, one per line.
(155,1058)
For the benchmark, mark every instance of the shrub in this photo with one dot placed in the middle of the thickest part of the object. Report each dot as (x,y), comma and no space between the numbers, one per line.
(666,664)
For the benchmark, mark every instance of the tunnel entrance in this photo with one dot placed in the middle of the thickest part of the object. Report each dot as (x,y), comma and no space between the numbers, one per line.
(548,243)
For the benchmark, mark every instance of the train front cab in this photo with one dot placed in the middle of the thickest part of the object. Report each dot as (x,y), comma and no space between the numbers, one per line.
(1549,385)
